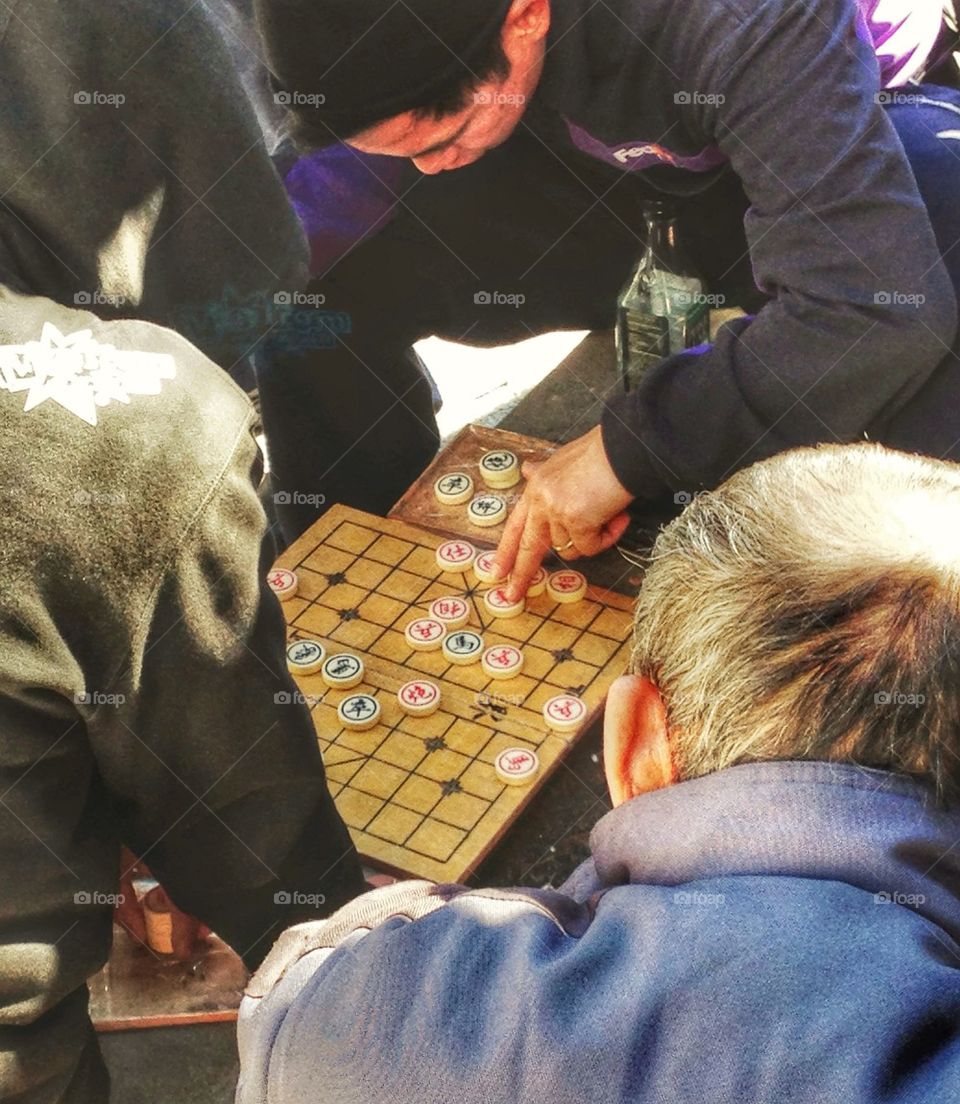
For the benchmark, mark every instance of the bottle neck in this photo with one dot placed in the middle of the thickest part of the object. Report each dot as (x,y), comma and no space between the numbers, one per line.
(662,238)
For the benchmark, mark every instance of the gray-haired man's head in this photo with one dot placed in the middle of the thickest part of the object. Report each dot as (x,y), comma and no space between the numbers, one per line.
(809,608)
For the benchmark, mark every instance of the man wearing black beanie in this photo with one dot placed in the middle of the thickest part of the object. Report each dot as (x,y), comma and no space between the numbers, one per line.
(785,134)
(374,63)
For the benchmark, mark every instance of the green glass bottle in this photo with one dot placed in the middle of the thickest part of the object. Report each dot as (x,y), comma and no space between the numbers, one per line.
(662,309)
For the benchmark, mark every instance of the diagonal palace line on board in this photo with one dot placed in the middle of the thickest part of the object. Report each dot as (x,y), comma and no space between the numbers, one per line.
(605,193)
(356,546)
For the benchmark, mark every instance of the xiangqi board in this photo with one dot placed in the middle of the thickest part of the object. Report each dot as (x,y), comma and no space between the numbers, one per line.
(421,794)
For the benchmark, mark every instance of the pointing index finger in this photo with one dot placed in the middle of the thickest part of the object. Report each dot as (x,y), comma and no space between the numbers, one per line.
(509,545)
(534,545)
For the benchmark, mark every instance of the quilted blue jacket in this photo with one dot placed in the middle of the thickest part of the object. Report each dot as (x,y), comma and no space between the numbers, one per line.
(777,932)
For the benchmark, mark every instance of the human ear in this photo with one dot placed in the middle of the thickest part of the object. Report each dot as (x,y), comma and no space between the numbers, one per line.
(636,745)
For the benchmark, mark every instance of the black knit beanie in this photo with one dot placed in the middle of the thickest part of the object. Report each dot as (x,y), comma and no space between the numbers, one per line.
(343,65)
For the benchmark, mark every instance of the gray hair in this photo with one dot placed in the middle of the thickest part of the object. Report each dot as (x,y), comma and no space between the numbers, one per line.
(809,608)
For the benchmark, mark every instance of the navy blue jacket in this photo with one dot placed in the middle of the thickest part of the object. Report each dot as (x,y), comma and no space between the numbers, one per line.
(862,308)
(786,94)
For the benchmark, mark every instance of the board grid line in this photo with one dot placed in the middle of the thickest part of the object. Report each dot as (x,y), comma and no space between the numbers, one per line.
(474,594)
(388,798)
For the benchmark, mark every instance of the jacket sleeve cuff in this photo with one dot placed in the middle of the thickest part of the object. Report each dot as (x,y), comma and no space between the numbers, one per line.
(627,454)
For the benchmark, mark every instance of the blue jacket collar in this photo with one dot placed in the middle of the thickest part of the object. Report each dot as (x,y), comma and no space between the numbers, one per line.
(873,829)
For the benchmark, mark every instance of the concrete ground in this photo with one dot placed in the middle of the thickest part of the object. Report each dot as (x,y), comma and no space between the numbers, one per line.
(188,1065)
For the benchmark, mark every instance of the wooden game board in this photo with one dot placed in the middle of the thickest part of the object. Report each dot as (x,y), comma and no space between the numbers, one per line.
(420,794)
(419,506)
